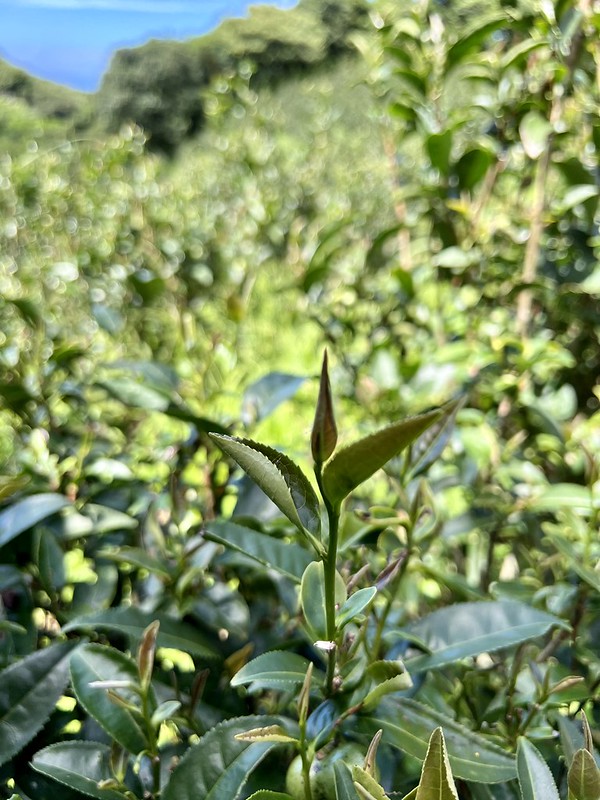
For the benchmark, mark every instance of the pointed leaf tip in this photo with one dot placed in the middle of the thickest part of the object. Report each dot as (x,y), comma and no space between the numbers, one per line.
(324,432)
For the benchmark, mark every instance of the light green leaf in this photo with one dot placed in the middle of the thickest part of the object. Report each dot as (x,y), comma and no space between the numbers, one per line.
(535,131)
(280,479)
(165,711)
(312,598)
(105,519)
(275,670)
(269,733)
(25,513)
(80,766)
(584,776)
(344,786)
(354,606)
(267,794)
(353,464)
(468,629)
(30,690)
(407,725)
(219,765)
(137,558)
(436,781)
(535,779)
(135,394)
(565,495)
(576,195)
(366,785)
(133,622)
(94,662)
(287,558)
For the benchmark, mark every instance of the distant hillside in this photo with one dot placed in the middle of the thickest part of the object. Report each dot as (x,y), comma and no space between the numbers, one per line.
(48,99)
(160,85)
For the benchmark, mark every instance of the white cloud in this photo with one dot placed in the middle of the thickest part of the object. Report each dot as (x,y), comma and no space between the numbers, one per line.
(142,6)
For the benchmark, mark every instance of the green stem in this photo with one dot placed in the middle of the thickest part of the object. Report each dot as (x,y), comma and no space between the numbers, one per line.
(330,563)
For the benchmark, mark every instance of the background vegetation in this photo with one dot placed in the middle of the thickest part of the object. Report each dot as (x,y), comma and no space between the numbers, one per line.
(417,190)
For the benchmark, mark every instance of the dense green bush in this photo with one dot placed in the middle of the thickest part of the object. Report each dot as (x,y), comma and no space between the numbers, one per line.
(172,627)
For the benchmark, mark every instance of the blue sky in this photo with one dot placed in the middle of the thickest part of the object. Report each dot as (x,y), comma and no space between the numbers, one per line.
(71,41)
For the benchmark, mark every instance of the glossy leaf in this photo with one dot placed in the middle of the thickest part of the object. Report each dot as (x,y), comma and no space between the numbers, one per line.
(218,766)
(279,478)
(574,561)
(80,766)
(94,662)
(344,785)
(353,464)
(287,558)
(407,725)
(436,781)
(354,606)
(29,691)
(268,733)
(26,513)
(468,629)
(535,779)
(584,776)
(133,622)
(277,669)
(313,598)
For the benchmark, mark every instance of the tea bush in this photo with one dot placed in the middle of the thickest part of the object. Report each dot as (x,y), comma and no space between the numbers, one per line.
(204,593)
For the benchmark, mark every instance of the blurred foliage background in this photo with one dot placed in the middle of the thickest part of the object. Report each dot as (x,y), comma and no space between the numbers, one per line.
(414,187)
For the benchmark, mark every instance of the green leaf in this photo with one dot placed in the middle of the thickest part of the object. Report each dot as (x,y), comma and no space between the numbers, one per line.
(436,781)
(269,733)
(574,560)
(26,513)
(263,396)
(564,495)
(366,785)
(137,558)
(94,662)
(267,794)
(468,629)
(219,765)
(344,785)
(133,622)
(135,394)
(323,438)
(105,519)
(577,195)
(407,725)
(30,689)
(473,40)
(287,558)
(80,766)
(439,147)
(354,606)
(535,131)
(275,670)
(535,779)
(353,464)
(280,479)
(584,776)
(313,599)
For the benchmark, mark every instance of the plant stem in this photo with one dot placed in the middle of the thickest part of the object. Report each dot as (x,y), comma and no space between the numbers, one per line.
(330,573)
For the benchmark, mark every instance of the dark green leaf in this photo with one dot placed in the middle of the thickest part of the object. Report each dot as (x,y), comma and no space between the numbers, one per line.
(408,725)
(313,600)
(94,662)
(344,785)
(468,629)
(25,513)
(324,431)
(263,396)
(78,765)
(279,478)
(354,606)
(219,765)
(275,670)
(353,464)
(535,778)
(287,558)
(473,40)
(439,148)
(29,691)
(133,622)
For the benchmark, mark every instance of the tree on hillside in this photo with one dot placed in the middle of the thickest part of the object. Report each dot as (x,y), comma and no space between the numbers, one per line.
(158,87)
